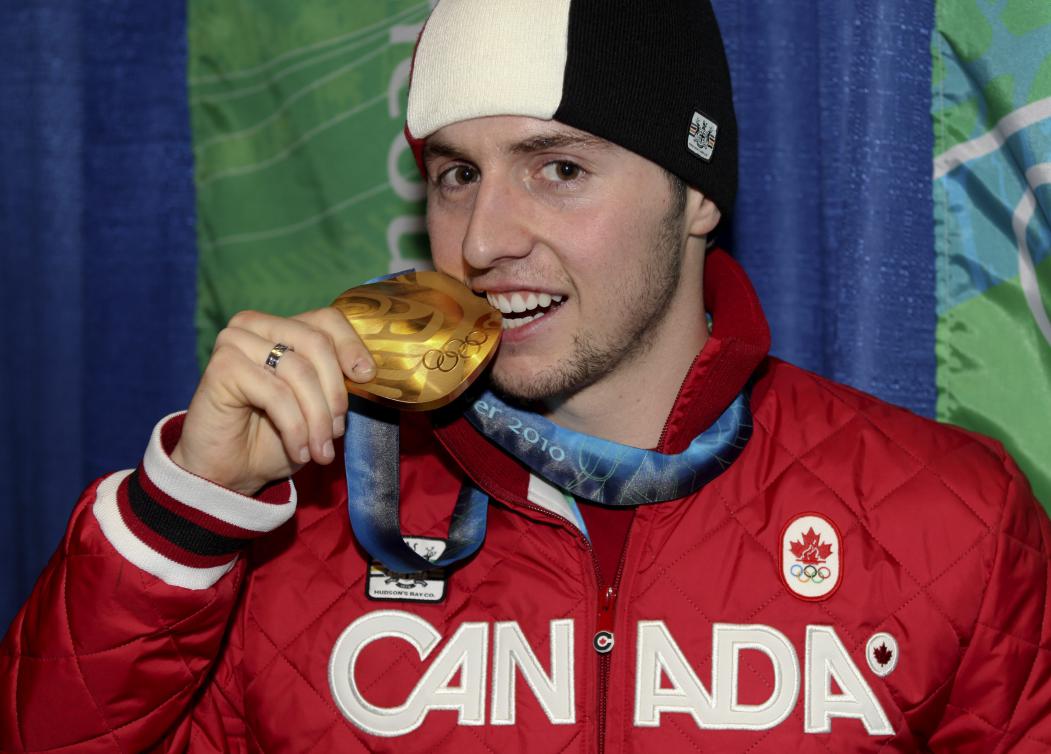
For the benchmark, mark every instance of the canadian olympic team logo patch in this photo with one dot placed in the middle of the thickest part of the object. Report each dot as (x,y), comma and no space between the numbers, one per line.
(811,557)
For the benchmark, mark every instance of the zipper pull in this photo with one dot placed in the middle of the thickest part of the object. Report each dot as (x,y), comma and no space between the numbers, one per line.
(603,641)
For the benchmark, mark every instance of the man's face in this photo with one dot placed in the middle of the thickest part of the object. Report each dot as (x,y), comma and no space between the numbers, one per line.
(578,241)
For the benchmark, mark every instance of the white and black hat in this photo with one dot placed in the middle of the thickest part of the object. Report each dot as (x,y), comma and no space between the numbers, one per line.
(648,75)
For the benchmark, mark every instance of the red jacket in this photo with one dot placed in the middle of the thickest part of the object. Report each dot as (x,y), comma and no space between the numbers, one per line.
(859,580)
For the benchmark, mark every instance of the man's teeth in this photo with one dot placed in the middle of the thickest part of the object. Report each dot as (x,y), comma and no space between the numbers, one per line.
(518,303)
(533,305)
(511,324)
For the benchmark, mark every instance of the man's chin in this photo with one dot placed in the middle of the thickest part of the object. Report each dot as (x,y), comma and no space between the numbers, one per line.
(517,389)
(537,388)
(524,387)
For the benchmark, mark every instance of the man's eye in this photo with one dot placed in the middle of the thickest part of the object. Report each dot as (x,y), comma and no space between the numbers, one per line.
(460,175)
(562,171)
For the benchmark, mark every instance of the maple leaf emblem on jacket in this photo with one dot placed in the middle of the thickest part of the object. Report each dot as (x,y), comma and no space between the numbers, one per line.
(811,550)
(882,654)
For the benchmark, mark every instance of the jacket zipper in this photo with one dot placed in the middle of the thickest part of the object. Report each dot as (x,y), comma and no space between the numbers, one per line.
(678,395)
(604,630)
(607,602)
(603,645)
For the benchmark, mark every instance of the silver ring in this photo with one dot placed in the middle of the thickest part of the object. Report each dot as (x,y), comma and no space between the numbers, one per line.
(276,353)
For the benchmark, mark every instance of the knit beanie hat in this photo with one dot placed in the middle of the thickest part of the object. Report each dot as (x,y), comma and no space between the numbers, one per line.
(648,75)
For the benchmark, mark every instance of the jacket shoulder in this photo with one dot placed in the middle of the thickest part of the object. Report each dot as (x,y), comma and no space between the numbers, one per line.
(871,452)
(941,534)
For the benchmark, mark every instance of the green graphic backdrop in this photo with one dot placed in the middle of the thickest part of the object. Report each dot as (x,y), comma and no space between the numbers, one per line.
(992,170)
(304,185)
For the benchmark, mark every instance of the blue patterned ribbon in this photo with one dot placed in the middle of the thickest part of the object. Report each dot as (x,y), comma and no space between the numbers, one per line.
(587,467)
(371,456)
(607,472)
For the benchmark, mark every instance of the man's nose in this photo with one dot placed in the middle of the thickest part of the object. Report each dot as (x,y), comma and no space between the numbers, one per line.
(499,224)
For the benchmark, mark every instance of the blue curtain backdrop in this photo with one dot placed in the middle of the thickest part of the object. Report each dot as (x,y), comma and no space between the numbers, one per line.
(98,264)
(834,221)
(97,219)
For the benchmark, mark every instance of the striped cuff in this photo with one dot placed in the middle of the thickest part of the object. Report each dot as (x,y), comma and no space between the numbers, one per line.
(181,528)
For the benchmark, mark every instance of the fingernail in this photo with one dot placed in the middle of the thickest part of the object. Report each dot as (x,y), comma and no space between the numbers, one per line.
(304,454)
(337,426)
(362,368)
(328,452)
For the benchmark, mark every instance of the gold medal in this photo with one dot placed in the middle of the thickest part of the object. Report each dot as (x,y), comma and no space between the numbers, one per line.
(429,334)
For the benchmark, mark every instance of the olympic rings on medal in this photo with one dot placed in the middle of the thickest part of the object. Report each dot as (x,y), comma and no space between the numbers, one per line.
(810,573)
(448,357)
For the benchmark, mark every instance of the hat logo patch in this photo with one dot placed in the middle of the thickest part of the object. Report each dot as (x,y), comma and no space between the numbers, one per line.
(701,140)
(811,557)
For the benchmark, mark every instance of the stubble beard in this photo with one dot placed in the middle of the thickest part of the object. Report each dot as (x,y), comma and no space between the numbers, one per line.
(594,355)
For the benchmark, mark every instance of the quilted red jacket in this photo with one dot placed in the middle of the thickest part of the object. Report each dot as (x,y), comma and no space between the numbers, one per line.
(859,580)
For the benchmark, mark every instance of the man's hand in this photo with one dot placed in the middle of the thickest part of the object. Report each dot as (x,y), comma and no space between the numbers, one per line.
(248,424)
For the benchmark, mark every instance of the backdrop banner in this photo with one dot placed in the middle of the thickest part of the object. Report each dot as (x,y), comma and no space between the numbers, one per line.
(992,197)
(305,185)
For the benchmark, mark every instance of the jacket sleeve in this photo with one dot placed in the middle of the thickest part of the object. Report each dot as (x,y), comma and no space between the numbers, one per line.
(115,649)
(216,722)
(1000,699)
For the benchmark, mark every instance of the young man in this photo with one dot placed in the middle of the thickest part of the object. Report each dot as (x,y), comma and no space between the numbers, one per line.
(689,546)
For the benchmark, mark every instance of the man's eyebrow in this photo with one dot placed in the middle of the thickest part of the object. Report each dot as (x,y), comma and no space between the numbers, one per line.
(558,140)
(436,148)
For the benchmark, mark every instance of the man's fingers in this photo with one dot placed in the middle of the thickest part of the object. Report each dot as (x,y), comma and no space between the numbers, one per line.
(325,339)
(273,397)
(278,401)
(300,373)
(354,358)
(313,342)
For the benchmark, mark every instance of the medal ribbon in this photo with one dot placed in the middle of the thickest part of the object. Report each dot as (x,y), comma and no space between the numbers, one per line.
(584,466)
(371,457)
(607,472)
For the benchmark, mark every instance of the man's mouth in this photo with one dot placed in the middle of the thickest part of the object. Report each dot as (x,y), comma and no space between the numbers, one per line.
(522,307)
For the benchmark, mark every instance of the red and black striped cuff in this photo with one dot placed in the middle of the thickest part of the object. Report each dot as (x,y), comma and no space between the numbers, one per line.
(183,529)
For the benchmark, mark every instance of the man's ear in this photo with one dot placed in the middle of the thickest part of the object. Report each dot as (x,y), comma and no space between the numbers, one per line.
(701,213)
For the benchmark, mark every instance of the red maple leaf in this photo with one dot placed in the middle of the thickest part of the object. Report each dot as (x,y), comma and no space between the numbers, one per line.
(882,654)
(811,550)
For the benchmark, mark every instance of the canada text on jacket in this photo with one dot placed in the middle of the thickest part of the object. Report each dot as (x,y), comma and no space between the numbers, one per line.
(658,657)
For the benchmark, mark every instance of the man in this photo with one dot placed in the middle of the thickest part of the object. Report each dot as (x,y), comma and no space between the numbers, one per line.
(688,546)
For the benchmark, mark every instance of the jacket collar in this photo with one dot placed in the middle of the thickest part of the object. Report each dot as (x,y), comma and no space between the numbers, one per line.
(739,342)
